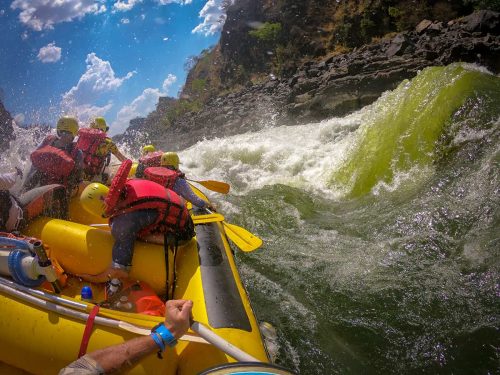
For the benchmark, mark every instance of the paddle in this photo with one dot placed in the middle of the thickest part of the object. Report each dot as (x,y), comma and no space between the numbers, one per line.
(221,343)
(210,218)
(242,238)
(70,308)
(218,186)
(198,219)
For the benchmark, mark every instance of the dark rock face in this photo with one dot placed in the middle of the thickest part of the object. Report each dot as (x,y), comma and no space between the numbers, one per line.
(344,83)
(6,128)
(140,129)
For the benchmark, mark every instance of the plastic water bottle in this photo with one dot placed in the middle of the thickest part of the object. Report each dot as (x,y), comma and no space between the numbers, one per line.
(112,287)
(86,293)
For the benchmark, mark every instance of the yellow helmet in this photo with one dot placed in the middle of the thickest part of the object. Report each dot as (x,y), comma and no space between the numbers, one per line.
(99,123)
(68,124)
(133,169)
(92,198)
(148,148)
(170,159)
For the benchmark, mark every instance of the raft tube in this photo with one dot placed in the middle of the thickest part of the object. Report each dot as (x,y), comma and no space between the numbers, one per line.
(205,272)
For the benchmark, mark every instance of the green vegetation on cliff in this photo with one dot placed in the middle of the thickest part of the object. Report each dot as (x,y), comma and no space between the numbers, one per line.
(261,37)
(269,32)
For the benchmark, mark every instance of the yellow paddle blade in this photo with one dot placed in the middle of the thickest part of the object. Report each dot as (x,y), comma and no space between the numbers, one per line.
(218,186)
(210,218)
(242,238)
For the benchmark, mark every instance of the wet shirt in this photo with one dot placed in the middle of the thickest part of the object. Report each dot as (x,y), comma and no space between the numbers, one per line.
(182,188)
(106,147)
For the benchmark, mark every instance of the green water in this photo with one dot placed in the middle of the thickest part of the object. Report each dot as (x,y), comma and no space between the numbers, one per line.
(400,274)
(411,125)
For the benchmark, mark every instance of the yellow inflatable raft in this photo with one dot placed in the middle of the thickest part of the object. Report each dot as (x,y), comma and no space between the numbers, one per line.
(41,331)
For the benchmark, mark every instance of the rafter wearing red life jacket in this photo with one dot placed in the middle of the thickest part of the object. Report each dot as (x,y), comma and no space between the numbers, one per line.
(56,164)
(153,159)
(162,175)
(143,194)
(89,140)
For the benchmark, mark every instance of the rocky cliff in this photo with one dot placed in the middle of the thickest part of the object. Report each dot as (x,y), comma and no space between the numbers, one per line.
(6,129)
(269,36)
(337,84)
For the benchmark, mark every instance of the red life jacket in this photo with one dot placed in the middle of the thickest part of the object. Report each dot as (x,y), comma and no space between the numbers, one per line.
(153,159)
(117,186)
(143,194)
(57,164)
(89,140)
(163,176)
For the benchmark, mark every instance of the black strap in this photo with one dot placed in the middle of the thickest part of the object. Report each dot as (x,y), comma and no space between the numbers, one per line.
(176,246)
(165,248)
(108,159)
(5,206)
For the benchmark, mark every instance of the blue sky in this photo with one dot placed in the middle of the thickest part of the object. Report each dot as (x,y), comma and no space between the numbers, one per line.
(88,58)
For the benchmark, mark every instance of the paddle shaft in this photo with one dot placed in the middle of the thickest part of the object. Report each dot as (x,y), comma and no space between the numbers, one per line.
(37,298)
(53,303)
(222,344)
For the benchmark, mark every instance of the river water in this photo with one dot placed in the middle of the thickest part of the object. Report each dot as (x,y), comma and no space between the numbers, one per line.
(381,229)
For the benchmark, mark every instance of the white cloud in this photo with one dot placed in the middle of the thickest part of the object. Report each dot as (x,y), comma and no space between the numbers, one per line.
(213,15)
(98,78)
(182,2)
(125,21)
(50,53)
(169,81)
(140,107)
(44,14)
(86,112)
(126,5)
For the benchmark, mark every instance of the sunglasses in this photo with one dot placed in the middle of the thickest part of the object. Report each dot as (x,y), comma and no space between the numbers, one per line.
(63,132)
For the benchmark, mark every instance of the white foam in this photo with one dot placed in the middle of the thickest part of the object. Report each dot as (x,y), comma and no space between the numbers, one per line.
(301,156)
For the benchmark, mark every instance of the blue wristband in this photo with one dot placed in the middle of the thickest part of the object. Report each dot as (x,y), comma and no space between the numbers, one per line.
(159,341)
(165,334)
